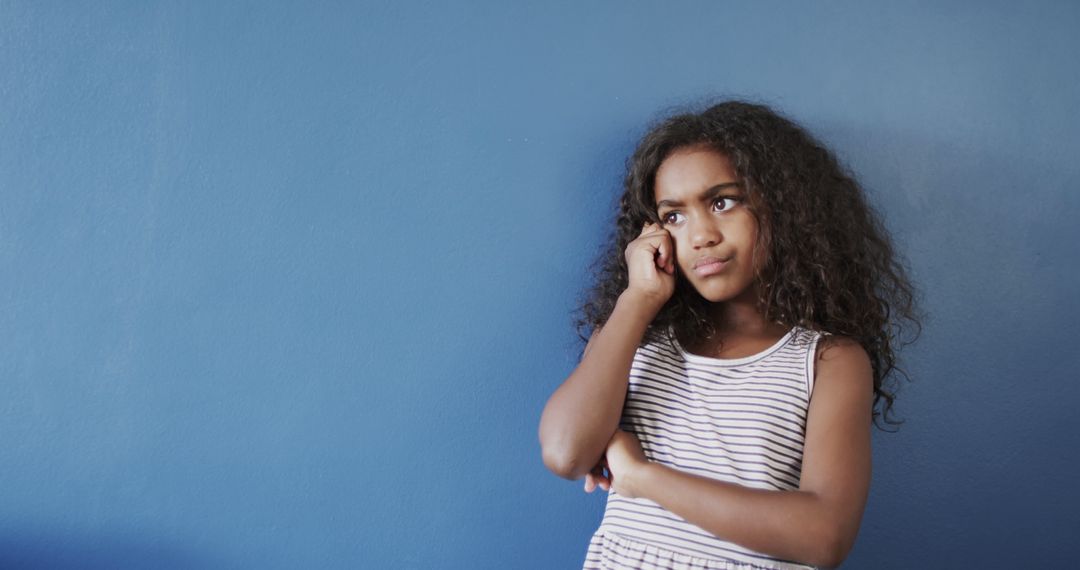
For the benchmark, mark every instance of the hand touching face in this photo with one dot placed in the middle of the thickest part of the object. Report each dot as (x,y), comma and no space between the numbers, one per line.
(650,262)
(702,204)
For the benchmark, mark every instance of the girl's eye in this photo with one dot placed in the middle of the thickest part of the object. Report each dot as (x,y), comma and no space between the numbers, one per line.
(731,201)
(726,203)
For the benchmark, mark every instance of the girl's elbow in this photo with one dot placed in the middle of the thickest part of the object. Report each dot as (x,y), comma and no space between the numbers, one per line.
(555,458)
(561,463)
(834,550)
(828,561)
(562,455)
(825,558)
(564,461)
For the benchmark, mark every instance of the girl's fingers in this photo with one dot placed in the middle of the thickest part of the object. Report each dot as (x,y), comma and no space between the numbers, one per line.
(665,259)
(602,481)
(594,481)
(649,227)
(664,248)
(596,478)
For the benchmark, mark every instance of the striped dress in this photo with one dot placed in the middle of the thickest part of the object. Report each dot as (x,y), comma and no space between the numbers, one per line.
(739,420)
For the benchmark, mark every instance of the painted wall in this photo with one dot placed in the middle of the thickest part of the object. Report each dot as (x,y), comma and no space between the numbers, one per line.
(287,285)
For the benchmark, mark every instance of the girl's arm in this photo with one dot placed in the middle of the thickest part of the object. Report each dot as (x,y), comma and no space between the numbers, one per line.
(583,413)
(816,524)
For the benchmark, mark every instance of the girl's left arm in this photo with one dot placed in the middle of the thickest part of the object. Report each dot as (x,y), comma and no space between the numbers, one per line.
(816,524)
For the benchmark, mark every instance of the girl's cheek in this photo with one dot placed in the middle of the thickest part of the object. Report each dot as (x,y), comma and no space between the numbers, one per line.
(677,243)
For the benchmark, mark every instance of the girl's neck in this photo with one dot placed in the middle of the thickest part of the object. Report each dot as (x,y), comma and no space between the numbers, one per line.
(741,331)
(742,318)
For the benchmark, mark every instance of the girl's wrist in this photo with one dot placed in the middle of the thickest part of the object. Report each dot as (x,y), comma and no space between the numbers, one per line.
(644,304)
(642,478)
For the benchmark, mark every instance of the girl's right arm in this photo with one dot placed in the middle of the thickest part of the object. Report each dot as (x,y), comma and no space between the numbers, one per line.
(581,416)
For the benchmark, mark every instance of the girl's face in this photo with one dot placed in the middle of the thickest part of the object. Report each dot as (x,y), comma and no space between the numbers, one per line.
(701,202)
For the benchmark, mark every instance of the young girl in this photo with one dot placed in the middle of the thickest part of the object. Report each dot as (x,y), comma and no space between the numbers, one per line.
(742,327)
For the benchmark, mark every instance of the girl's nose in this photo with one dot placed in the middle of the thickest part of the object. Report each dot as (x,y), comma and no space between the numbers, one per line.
(704,235)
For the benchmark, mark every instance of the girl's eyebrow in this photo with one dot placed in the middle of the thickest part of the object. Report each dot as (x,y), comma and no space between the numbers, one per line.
(710,193)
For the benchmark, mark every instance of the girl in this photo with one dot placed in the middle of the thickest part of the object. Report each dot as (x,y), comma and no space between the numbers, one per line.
(743,324)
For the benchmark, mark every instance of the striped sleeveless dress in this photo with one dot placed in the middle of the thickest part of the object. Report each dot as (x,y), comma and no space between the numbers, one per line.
(739,420)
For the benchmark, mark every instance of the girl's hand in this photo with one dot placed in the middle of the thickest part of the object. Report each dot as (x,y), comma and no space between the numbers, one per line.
(650,261)
(596,477)
(625,459)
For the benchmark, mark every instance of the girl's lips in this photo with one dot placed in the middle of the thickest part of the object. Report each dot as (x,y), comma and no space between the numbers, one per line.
(712,268)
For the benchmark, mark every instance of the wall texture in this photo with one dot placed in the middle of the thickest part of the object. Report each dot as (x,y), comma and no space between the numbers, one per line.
(286,285)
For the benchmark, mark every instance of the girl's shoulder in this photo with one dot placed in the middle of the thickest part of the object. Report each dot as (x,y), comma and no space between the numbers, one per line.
(839,353)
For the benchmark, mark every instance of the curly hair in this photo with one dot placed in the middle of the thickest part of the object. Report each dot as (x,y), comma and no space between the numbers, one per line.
(830,264)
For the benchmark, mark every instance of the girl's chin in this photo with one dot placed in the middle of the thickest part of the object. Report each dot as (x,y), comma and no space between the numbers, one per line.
(710,292)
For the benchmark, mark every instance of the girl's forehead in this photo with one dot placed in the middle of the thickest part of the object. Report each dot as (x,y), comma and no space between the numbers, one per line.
(689,171)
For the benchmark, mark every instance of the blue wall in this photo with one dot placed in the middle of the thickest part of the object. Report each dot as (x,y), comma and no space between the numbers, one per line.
(287,286)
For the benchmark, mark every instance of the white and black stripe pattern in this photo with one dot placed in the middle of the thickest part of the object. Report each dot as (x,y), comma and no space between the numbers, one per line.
(739,420)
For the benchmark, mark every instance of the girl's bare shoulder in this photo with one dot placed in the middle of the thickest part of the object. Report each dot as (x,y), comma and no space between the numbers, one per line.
(841,354)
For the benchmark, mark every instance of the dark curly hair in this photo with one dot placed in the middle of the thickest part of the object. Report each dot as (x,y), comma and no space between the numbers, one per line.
(830,262)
